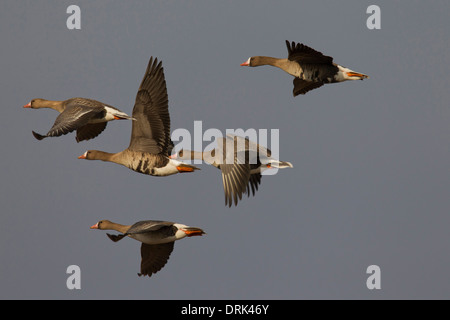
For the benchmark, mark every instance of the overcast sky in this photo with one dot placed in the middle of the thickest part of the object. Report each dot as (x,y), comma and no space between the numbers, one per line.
(370,183)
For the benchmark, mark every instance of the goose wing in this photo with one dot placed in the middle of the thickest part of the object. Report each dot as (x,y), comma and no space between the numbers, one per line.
(251,149)
(235,179)
(304,54)
(89,131)
(154,257)
(148,226)
(73,117)
(303,86)
(151,129)
(253,183)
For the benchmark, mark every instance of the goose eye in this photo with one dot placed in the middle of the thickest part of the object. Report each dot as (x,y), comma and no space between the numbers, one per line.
(180,153)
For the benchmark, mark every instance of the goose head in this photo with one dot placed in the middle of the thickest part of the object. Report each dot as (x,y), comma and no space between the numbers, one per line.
(35,104)
(102,225)
(348,74)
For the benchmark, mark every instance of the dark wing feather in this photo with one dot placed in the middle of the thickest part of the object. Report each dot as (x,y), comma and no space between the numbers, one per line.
(91,130)
(154,257)
(148,226)
(304,54)
(151,129)
(235,179)
(72,118)
(253,183)
(303,86)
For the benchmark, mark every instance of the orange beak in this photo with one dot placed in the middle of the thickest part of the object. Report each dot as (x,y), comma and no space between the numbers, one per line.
(190,232)
(95,226)
(245,64)
(83,156)
(28,105)
(356,74)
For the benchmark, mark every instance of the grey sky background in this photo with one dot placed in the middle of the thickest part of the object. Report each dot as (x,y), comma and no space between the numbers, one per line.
(370,183)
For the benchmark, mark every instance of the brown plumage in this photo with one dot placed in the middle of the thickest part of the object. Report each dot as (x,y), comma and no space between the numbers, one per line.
(241,162)
(88,117)
(157,239)
(310,68)
(150,143)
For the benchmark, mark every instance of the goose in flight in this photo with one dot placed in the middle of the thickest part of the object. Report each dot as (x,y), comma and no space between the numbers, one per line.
(150,143)
(157,239)
(88,117)
(241,162)
(310,68)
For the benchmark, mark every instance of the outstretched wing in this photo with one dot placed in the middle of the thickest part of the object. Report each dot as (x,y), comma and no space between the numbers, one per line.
(253,183)
(72,118)
(148,226)
(304,54)
(154,257)
(302,86)
(91,130)
(151,129)
(235,178)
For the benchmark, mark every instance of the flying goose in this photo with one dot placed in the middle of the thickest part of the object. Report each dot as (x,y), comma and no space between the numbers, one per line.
(241,162)
(150,143)
(157,239)
(88,117)
(310,68)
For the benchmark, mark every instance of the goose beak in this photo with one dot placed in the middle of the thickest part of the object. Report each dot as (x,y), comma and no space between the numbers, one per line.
(246,63)
(83,156)
(28,105)
(357,75)
(95,226)
(191,231)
